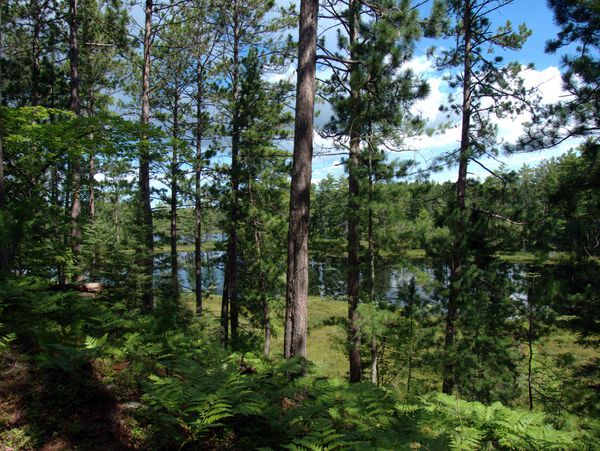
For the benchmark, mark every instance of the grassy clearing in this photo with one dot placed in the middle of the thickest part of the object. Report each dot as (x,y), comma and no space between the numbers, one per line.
(326,333)
(327,351)
(207,246)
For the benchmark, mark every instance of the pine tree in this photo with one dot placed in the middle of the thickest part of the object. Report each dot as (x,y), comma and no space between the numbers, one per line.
(296,309)
(578,115)
(478,78)
(74,105)
(370,95)
(145,214)
(173,79)
(263,184)
(3,251)
(245,25)
(205,37)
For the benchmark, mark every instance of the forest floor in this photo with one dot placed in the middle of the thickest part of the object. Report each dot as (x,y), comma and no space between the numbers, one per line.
(51,410)
(326,341)
(94,407)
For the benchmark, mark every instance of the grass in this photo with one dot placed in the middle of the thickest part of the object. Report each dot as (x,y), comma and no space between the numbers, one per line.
(206,247)
(326,333)
(326,342)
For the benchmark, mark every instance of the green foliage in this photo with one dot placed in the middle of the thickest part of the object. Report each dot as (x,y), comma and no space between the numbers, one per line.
(17,438)
(577,115)
(472,425)
(196,394)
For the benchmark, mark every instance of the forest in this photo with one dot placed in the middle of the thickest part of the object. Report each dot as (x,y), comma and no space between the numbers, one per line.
(175,276)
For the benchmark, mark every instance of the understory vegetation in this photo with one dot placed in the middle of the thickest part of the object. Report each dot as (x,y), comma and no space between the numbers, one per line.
(98,375)
(194,257)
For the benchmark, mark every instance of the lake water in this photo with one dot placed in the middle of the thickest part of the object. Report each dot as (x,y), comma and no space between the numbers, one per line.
(327,275)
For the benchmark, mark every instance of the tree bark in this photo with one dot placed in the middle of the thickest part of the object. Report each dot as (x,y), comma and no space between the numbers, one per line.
(374,361)
(353,236)
(76,159)
(225,312)
(92,194)
(147,256)
(370,238)
(262,285)
(297,260)
(3,251)
(174,189)
(35,53)
(461,185)
(231,264)
(198,192)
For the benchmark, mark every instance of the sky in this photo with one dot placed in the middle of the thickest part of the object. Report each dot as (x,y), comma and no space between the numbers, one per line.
(545,75)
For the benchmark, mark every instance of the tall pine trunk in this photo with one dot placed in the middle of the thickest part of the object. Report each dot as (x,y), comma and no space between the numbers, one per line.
(262,285)
(459,227)
(3,250)
(370,237)
(353,236)
(174,189)
(76,159)
(92,168)
(230,294)
(297,259)
(198,192)
(35,53)
(147,256)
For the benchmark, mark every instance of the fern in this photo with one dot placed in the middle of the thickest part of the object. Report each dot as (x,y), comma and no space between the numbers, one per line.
(472,425)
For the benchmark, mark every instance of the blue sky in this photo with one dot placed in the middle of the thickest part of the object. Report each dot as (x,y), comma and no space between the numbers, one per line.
(545,75)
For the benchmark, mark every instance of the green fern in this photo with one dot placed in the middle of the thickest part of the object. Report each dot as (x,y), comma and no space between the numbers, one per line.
(472,425)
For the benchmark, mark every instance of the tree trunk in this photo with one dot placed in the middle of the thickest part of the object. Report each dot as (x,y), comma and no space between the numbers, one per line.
(3,250)
(374,361)
(231,265)
(147,256)
(370,238)
(198,192)
(297,260)
(353,236)
(35,53)
(92,194)
(174,189)
(262,286)
(530,344)
(76,159)
(461,185)
(225,312)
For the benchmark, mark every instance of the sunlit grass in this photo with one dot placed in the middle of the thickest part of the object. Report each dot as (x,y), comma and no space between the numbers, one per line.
(326,347)
(326,333)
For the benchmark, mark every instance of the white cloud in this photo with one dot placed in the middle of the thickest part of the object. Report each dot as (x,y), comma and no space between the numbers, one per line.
(547,81)
(288,75)
(429,108)
(549,85)
(420,65)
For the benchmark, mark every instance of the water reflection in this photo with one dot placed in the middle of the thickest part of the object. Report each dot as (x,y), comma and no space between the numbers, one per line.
(212,270)
(327,275)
